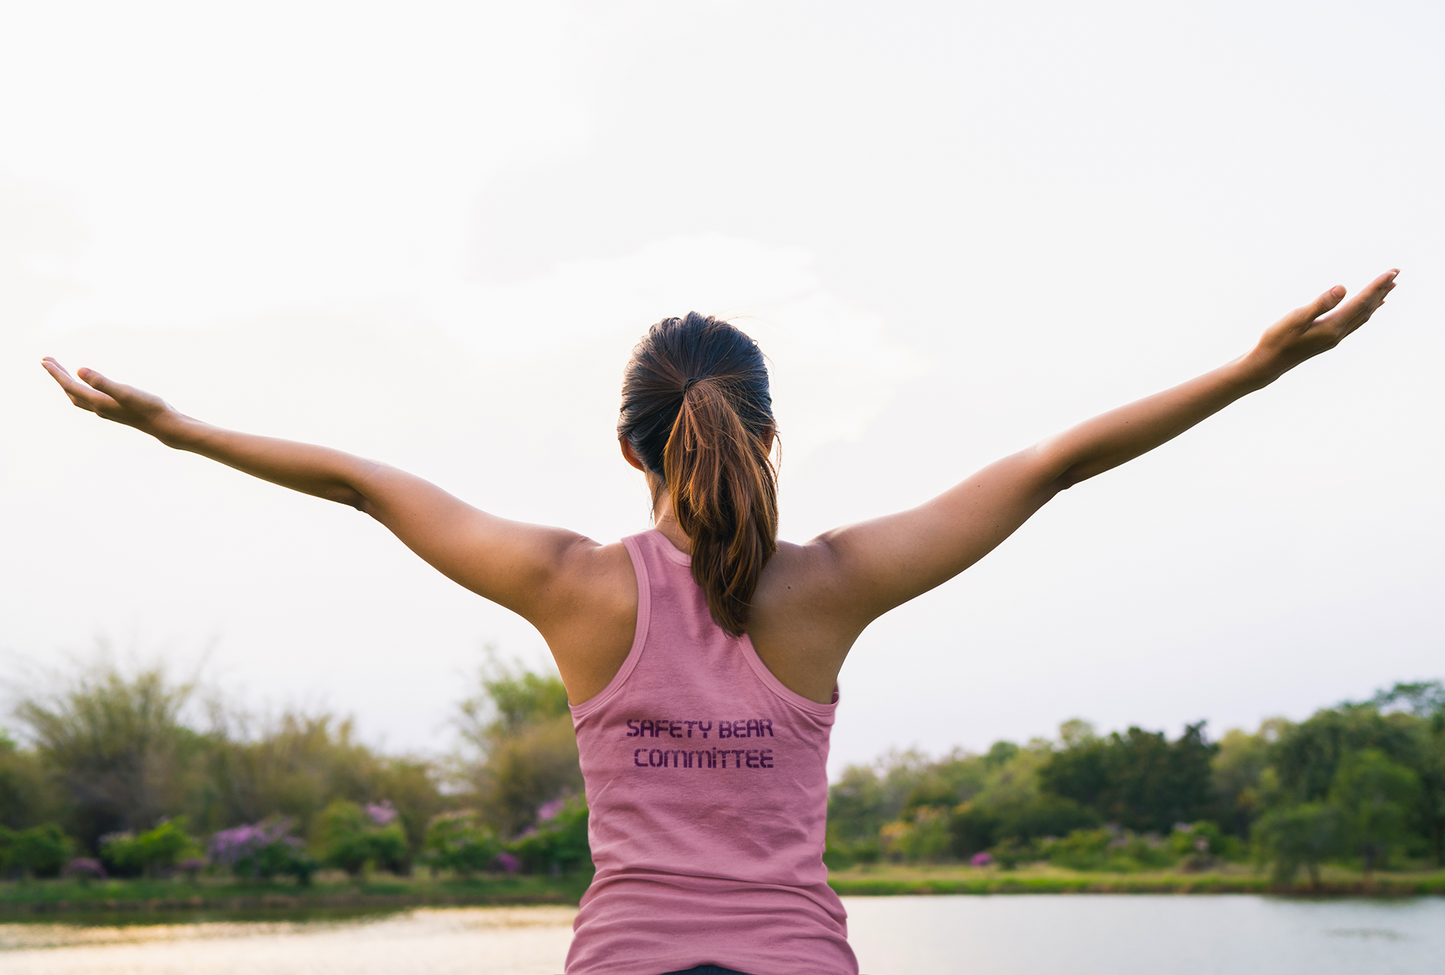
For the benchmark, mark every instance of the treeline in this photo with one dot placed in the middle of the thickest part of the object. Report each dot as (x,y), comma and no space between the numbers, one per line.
(1361,784)
(116,774)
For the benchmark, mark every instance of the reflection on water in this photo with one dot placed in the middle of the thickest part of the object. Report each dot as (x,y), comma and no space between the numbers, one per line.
(476,941)
(1003,935)
(1153,934)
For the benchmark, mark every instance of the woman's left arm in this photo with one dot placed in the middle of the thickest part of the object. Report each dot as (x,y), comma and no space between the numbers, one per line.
(876,565)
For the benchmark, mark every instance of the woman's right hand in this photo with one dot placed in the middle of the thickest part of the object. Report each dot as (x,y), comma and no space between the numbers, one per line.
(112,400)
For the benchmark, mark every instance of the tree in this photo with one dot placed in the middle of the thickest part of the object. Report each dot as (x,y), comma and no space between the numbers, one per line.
(1301,835)
(1139,779)
(1374,797)
(117,748)
(1237,770)
(525,749)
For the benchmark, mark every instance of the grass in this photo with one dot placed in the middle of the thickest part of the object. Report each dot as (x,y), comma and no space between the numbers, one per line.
(334,893)
(330,892)
(886,879)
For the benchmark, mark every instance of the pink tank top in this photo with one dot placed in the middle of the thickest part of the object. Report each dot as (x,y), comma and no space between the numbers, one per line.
(707,784)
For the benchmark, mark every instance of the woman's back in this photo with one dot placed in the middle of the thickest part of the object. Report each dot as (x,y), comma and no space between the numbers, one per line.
(707,785)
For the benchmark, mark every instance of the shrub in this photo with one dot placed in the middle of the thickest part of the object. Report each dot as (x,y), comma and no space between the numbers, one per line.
(558,842)
(1103,849)
(354,836)
(40,851)
(150,853)
(85,869)
(459,841)
(263,850)
(923,834)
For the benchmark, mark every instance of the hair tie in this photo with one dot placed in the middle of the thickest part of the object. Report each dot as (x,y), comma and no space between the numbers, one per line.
(689,384)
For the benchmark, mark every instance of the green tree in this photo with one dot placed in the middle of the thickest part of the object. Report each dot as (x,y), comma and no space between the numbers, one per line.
(524,749)
(117,747)
(1237,771)
(1300,835)
(1139,779)
(1374,797)
(28,796)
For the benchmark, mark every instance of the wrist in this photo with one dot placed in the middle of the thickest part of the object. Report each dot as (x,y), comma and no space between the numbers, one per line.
(1259,367)
(175,430)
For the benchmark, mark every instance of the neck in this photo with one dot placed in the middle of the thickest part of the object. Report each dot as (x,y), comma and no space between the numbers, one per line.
(665,521)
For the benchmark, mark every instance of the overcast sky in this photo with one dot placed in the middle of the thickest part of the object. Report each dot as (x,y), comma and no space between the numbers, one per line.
(432,233)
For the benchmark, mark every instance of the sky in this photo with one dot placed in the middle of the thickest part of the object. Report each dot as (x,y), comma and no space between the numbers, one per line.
(431,234)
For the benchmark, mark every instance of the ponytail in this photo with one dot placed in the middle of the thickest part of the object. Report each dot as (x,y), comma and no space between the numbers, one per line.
(725,495)
(697,411)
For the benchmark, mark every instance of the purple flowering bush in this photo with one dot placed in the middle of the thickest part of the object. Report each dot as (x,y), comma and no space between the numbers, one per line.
(354,836)
(557,843)
(85,869)
(263,850)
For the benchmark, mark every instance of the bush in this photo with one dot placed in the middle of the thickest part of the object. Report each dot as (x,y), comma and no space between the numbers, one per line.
(838,854)
(923,834)
(1102,849)
(40,851)
(1009,852)
(85,869)
(460,842)
(150,853)
(263,850)
(354,836)
(558,842)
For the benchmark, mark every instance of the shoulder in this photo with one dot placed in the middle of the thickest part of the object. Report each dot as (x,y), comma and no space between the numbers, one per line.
(590,614)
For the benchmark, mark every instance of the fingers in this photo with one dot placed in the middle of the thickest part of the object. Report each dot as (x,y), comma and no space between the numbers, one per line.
(84,396)
(1359,309)
(1324,303)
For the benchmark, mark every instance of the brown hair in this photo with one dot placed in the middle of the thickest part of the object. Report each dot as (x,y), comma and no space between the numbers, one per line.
(697,412)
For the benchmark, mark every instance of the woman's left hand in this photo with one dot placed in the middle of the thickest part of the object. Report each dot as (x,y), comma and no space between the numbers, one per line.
(1317,327)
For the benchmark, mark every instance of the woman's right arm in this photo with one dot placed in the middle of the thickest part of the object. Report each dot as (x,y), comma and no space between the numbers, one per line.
(522,567)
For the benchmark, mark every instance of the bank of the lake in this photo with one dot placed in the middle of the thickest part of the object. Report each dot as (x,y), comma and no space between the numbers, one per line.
(232,897)
(1040,878)
(178,897)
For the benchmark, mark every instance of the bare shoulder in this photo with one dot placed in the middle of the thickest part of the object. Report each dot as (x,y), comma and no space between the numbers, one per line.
(591,615)
(800,626)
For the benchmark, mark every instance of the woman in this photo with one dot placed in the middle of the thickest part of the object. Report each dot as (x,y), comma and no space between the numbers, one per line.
(701,657)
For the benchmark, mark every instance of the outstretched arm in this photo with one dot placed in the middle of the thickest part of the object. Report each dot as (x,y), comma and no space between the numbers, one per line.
(514,564)
(879,564)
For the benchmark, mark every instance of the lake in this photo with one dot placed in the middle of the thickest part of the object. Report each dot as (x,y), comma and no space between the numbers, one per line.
(999,935)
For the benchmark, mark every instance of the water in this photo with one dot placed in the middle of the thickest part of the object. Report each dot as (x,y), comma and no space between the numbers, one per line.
(1013,935)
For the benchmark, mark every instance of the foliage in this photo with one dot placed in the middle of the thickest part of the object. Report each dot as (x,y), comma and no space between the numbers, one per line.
(116,748)
(1139,779)
(557,843)
(1374,797)
(525,750)
(1237,770)
(28,796)
(40,851)
(263,850)
(149,853)
(1301,835)
(461,842)
(1107,850)
(352,837)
